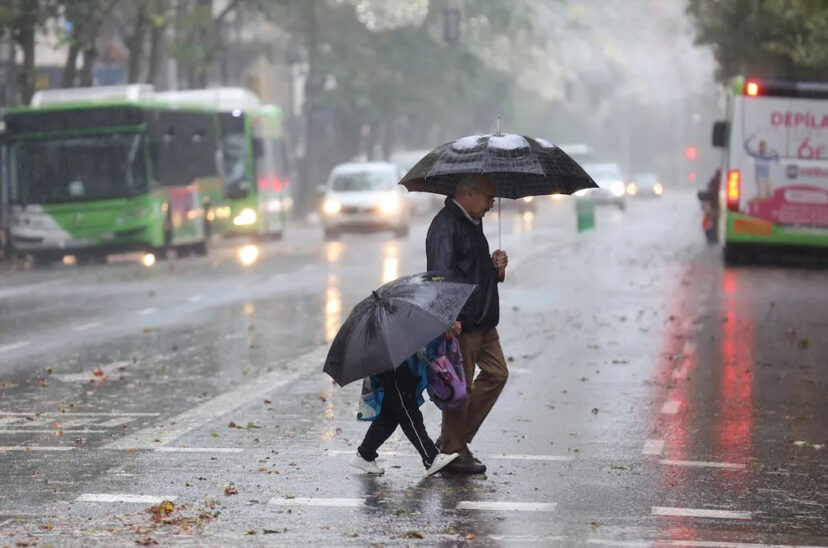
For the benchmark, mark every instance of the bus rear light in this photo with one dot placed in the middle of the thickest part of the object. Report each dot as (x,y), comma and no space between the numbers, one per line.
(752,89)
(734,189)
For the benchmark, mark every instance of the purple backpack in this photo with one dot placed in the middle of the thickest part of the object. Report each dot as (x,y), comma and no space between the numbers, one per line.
(446,380)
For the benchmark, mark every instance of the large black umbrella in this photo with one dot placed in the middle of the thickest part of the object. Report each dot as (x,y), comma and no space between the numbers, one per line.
(519,166)
(393,323)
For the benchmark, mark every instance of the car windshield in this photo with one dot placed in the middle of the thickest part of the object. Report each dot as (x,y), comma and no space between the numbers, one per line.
(603,171)
(76,169)
(356,181)
(645,179)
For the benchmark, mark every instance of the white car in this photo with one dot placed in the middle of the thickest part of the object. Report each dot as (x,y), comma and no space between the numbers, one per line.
(611,188)
(422,203)
(645,185)
(360,196)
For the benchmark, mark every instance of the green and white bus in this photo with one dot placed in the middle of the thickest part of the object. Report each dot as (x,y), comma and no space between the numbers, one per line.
(774,176)
(255,198)
(93,171)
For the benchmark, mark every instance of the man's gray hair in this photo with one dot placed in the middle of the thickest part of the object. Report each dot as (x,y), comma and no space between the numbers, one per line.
(469,182)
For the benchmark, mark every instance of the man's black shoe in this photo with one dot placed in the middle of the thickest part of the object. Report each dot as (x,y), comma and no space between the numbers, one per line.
(465,465)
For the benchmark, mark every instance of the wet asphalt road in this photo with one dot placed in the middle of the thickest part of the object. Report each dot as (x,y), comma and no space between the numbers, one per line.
(655,397)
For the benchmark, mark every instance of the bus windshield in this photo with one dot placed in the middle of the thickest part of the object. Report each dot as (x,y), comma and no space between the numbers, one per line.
(77,169)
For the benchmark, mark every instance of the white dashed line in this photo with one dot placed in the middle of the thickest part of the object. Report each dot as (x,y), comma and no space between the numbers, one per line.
(671,407)
(704,464)
(13,346)
(653,447)
(507,506)
(195,298)
(558,458)
(699,513)
(198,450)
(722,544)
(35,448)
(73,414)
(307,501)
(4,523)
(50,431)
(86,326)
(220,406)
(86,376)
(111,423)
(108,497)
(148,311)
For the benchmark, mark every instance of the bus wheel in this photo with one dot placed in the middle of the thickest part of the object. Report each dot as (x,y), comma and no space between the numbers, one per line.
(201,249)
(733,255)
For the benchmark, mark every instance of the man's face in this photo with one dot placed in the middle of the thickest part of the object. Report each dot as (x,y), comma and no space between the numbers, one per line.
(762,147)
(481,199)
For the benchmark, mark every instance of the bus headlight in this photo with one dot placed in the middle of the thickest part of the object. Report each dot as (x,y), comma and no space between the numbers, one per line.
(246,217)
(617,188)
(389,205)
(658,190)
(331,207)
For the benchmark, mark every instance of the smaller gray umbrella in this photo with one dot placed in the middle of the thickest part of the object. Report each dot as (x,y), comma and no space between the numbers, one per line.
(393,323)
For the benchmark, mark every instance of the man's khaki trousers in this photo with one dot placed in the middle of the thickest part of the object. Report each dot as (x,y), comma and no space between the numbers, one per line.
(482,348)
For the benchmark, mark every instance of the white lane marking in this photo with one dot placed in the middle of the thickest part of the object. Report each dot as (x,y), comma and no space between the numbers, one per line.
(671,407)
(722,544)
(653,447)
(86,326)
(86,376)
(699,513)
(49,431)
(507,506)
(8,420)
(704,464)
(24,288)
(13,346)
(111,423)
(614,542)
(35,448)
(148,310)
(517,539)
(219,406)
(553,458)
(559,458)
(114,497)
(307,501)
(72,414)
(195,298)
(4,523)
(198,450)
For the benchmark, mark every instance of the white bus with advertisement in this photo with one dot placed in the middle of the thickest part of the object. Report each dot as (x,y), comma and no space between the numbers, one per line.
(774,187)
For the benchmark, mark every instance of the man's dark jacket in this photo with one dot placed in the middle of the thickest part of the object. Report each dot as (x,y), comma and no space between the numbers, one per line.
(457,244)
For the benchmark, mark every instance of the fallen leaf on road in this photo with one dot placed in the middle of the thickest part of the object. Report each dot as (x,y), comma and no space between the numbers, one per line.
(252,425)
(413,534)
(804,343)
(98,372)
(232,425)
(215,434)
(146,542)
(470,536)
(231,490)
(594,410)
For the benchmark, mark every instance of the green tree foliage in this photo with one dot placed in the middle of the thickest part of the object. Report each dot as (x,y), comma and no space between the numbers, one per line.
(780,38)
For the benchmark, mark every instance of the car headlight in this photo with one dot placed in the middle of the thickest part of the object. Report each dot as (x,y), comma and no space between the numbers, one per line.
(528,199)
(246,217)
(632,189)
(617,188)
(332,207)
(389,205)
(658,190)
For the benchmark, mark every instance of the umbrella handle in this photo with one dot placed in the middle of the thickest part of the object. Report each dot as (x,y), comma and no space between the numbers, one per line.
(499,226)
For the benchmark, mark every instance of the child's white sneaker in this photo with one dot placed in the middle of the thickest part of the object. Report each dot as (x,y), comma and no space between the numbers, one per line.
(441,461)
(368,466)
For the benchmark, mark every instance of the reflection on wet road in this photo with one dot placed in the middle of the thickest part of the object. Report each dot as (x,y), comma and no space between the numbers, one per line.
(654,398)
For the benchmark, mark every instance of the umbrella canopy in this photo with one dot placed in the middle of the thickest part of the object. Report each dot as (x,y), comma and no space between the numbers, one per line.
(519,166)
(393,323)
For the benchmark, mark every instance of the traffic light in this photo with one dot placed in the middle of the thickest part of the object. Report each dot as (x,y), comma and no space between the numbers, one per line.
(691,153)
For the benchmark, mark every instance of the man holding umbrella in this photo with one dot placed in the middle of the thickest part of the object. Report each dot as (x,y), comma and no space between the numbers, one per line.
(456,243)
(472,171)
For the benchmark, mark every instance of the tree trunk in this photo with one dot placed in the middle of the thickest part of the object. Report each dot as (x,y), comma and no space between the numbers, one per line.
(27,42)
(135,43)
(70,69)
(157,42)
(310,177)
(90,55)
